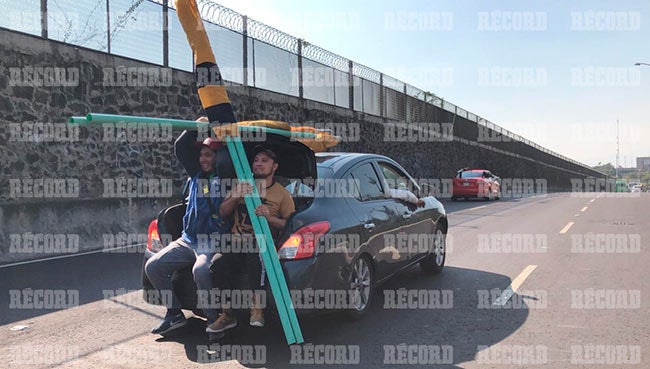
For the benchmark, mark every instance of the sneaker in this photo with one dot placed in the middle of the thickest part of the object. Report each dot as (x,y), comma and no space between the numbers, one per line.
(169,323)
(257,318)
(224,322)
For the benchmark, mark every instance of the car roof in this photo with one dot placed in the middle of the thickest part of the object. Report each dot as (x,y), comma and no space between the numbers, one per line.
(337,160)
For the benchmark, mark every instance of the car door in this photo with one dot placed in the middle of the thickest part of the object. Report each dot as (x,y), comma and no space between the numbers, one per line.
(415,229)
(376,215)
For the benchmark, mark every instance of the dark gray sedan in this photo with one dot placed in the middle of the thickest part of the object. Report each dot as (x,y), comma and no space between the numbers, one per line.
(359,220)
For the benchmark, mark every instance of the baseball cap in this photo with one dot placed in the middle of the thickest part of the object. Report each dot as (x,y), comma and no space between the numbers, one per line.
(259,148)
(209,142)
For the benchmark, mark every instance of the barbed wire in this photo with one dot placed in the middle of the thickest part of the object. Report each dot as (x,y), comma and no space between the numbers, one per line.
(270,35)
(370,74)
(221,16)
(414,92)
(393,83)
(318,54)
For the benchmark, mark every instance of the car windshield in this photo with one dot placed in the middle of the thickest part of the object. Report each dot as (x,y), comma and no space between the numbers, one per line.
(471,174)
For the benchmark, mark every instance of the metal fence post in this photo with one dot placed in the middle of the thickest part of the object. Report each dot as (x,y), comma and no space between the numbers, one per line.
(108,25)
(44,18)
(300,87)
(351,84)
(406,105)
(245,48)
(165,33)
(334,84)
(382,98)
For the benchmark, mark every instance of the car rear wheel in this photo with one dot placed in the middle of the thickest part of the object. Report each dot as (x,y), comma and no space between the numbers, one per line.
(360,283)
(435,262)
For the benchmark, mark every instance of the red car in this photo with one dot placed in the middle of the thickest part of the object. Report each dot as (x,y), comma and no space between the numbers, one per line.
(479,183)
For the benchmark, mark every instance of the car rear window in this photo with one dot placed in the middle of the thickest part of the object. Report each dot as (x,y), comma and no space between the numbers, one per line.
(471,174)
(323,171)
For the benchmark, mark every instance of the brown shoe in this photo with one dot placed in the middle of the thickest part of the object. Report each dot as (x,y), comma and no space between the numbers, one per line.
(225,321)
(257,317)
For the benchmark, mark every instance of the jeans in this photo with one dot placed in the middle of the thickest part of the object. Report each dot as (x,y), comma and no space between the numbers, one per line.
(177,255)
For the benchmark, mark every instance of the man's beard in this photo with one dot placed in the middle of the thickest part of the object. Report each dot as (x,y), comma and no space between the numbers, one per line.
(261,175)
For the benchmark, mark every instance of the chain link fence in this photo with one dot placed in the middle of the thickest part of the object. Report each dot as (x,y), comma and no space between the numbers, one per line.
(249,53)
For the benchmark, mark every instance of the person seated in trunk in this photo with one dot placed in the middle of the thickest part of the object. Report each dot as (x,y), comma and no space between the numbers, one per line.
(277,206)
(201,218)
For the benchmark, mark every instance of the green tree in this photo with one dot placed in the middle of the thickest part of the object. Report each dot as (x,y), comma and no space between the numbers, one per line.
(605,168)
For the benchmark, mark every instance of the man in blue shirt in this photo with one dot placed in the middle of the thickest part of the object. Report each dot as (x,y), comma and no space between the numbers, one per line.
(201,221)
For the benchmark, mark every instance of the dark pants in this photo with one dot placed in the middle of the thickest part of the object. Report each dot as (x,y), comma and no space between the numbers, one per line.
(227,268)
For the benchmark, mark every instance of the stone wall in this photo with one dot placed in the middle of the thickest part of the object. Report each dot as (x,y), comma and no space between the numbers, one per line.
(88,159)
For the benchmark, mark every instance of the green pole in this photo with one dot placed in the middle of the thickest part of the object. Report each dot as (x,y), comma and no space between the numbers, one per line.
(176,123)
(77,120)
(99,119)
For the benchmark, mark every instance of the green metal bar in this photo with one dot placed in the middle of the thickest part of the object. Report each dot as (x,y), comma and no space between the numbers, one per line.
(98,119)
(272,263)
(111,118)
(77,120)
(242,169)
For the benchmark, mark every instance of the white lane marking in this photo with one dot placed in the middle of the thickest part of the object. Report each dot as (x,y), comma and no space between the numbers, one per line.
(478,207)
(592,200)
(584,209)
(69,256)
(514,286)
(566,227)
(576,215)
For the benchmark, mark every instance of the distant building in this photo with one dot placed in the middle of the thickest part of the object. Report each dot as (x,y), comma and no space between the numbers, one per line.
(643,163)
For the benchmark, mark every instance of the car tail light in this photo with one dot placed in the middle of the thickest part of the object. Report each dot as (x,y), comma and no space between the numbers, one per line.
(153,238)
(302,243)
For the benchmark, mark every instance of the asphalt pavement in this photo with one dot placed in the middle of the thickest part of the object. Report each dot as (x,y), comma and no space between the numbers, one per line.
(555,281)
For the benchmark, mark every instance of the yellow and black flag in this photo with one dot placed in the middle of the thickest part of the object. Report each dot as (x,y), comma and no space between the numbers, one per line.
(211,89)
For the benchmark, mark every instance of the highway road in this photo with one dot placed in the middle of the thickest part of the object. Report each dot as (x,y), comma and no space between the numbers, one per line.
(555,281)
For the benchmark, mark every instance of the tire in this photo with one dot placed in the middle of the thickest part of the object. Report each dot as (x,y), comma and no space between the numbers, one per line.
(435,262)
(454,198)
(361,282)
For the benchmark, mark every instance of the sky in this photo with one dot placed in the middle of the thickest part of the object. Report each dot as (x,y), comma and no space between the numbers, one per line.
(559,73)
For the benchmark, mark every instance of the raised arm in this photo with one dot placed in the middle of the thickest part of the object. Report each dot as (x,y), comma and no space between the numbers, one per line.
(404,195)
(186,153)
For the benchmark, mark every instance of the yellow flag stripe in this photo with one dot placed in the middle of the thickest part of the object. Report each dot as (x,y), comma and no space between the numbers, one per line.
(213,95)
